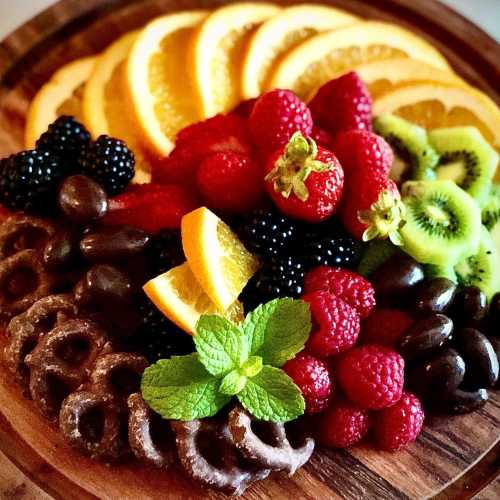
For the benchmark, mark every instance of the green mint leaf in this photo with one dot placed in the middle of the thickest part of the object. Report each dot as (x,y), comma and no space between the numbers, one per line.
(278,330)
(180,388)
(222,345)
(233,383)
(271,395)
(252,366)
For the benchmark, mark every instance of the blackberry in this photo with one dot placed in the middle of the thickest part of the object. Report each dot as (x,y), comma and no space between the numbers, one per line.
(110,163)
(267,232)
(29,181)
(337,251)
(66,137)
(279,277)
(164,251)
(158,338)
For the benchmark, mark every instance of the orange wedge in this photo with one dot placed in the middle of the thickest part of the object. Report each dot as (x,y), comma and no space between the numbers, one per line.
(319,59)
(280,34)
(61,95)
(105,102)
(218,51)
(160,87)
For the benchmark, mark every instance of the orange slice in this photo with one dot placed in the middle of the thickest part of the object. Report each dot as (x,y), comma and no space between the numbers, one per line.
(160,87)
(319,59)
(280,34)
(61,95)
(218,51)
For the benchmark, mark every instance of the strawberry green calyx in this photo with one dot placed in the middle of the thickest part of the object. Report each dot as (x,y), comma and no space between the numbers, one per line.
(294,166)
(384,219)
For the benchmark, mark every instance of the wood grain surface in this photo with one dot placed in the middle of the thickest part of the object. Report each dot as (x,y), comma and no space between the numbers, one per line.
(454,457)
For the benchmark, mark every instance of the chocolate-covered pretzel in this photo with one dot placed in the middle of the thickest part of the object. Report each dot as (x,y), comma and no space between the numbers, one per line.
(275,452)
(25,330)
(23,281)
(208,454)
(62,361)
(150,437)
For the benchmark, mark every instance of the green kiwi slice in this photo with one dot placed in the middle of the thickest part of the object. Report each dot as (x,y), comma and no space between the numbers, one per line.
(414,157)
(443,222)
(432,271)
(375,254)
(466,158)
(491,215)
(483,268)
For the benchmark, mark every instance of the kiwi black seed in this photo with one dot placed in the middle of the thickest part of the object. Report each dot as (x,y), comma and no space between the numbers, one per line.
(443,223)
(415,159)
(466,158)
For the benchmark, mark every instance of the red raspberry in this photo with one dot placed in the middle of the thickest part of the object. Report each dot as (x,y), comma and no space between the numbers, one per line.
(230,182)
(385,326)
(336,324)
(372,208)
(275,117)
(372,376)
(343,104)
(304,181)
(342,425)
(349,286)
(363,153)
(198,141)
(322,138)
(150,207)
(313,378)
(399,425)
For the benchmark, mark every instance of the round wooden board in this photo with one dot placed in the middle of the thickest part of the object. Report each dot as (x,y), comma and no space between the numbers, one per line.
(453,457)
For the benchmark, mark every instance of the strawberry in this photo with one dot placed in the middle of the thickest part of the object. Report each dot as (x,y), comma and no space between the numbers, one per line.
(363,153)
(343,104)
(244,108)
(322,138)
(230,182)
(198,141)
(275,117)
(304,181)
(150,207)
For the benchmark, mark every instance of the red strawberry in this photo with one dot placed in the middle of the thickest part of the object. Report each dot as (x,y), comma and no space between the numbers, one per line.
(322,138)
(372,208)
(385,326)
(244,108)
(150,207)
(198,141)
(343,104)
(275,117)
(363,153)
(230,182)
(304,181)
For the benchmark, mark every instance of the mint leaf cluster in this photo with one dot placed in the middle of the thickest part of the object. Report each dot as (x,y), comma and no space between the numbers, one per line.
(241,361)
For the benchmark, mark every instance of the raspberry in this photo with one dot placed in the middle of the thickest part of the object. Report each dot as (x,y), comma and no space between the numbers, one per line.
(372,376)
(275,117)
(363,153)
(385,326)
(221,133)
(230,182)
(349,286)
(336,324)
(399,425)
(150,207)
(313,378)
(343,104)
(342,425)
(304,181)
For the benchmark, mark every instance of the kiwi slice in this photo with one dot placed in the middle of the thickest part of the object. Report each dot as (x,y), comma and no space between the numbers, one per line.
(432,271)
(491,215)
(375,254)
(483,268)
(443,222)
(414,157)
(466,159)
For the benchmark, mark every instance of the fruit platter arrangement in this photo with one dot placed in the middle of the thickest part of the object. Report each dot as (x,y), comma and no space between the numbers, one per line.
(242,238)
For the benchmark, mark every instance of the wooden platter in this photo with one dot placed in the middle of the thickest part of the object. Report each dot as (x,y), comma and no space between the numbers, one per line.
(454,458)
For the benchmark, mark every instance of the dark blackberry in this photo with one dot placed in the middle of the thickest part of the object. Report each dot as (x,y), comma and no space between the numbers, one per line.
(29,181)
(279,277)
(267,232)
(66,138)
(110,163)
(164,251)
(158,338)
(337,251)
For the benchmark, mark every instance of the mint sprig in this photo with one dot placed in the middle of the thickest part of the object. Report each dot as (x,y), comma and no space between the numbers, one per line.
(234,360)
